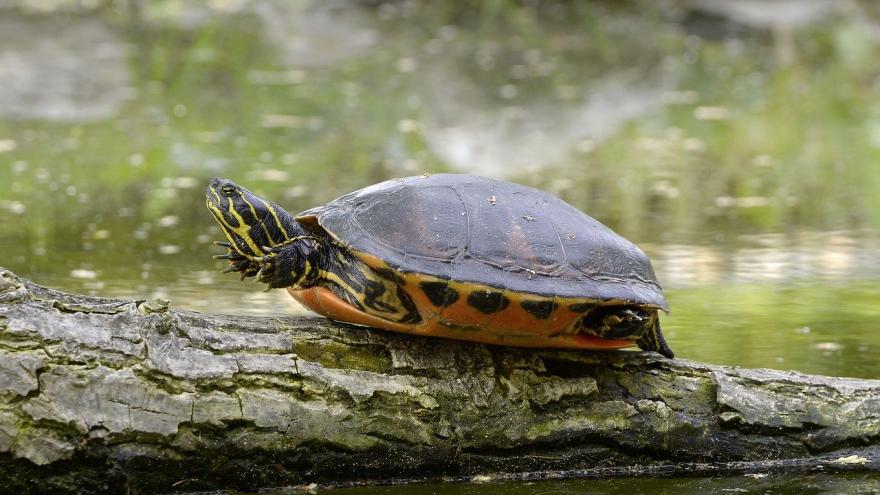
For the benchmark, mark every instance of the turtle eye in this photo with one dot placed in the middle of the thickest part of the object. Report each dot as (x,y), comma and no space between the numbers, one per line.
(227,190)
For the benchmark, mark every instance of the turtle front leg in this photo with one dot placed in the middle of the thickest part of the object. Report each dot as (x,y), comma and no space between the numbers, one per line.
(289,264)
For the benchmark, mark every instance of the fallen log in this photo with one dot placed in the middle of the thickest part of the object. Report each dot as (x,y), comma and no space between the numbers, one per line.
(107,396)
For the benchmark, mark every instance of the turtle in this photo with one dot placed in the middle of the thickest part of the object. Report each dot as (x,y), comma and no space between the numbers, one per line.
(450,255)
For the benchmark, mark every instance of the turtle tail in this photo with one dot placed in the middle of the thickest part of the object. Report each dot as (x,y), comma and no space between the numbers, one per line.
(653,340)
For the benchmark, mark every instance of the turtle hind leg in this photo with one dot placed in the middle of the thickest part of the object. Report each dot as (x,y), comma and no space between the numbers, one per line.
(652,340)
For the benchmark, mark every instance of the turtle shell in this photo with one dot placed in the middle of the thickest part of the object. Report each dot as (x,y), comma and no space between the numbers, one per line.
(475,231)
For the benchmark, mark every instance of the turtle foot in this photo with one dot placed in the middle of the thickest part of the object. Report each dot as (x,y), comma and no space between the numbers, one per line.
(653,340)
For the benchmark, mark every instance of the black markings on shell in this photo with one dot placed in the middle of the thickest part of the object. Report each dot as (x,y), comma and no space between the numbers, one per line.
(581,307)
(439,293)
(539,309)
(488,302)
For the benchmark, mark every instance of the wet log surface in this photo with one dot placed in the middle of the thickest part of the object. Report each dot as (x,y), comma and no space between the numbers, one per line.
(104,395)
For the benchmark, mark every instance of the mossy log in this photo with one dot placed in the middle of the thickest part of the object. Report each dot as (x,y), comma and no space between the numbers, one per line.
(106,395)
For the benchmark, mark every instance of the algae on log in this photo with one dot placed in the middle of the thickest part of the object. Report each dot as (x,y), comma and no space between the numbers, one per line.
(104,395)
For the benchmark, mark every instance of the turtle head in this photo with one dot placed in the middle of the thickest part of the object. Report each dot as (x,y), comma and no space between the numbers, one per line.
(248,221)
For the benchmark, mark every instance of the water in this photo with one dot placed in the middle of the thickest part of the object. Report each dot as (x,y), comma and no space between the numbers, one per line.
(740,152)
(758,483)
(752,483)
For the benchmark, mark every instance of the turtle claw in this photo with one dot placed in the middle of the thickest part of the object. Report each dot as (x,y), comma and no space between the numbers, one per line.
(224,244)
(240,264)
(267,270)
(227,256)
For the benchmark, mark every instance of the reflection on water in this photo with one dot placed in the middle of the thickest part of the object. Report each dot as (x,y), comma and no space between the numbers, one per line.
(318,34)
(819,257)
(774,14)
(745,165)
(752,483)
(77,74)
(468,132)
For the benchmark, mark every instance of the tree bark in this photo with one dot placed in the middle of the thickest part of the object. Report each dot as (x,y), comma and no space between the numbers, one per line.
(108,395)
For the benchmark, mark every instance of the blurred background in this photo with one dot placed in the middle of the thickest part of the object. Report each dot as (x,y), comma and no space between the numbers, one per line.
(738,143)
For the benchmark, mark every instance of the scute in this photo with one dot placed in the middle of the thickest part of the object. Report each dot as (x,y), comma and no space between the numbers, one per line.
(417,229)
(510,228)
(483,231)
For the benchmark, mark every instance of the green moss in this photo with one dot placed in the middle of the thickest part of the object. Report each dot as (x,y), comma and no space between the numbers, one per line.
(157,305)
(399,426)
(332,354)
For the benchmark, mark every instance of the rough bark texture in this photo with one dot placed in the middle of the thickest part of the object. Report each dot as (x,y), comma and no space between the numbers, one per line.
(102,395)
